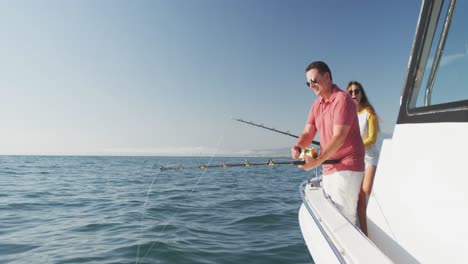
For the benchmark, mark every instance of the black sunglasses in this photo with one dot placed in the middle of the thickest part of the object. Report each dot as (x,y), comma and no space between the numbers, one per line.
(313,80)
(356,91)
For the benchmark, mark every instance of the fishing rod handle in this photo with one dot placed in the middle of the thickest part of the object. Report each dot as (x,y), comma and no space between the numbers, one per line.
(299,162)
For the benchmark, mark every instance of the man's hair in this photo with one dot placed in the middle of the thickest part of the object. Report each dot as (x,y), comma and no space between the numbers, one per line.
(321,67)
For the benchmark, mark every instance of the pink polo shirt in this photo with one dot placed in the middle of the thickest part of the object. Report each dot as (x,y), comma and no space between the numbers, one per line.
(340,109)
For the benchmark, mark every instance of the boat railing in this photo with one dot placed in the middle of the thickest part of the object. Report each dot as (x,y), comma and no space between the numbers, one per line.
(337,248)
(315,182)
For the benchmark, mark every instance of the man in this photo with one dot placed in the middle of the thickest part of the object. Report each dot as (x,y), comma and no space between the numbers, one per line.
(333,116)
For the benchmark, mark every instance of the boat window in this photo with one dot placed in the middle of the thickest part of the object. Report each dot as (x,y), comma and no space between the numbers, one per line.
(443,67)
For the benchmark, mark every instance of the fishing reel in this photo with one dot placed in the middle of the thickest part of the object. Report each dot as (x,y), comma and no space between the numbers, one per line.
(311,152)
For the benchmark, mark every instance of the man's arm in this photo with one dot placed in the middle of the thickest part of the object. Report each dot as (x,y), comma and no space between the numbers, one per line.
(304,140)
(340,132)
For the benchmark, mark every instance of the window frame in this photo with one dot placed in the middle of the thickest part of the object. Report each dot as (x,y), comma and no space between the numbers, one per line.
(423,41)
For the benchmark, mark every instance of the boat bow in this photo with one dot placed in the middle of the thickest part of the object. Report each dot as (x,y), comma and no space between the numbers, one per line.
(329,236)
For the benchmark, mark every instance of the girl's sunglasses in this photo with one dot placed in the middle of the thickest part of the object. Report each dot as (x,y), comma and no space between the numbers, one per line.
(356,91)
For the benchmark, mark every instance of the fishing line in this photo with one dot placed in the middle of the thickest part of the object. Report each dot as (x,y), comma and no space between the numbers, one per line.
(381,211)
(143,213)
(194,187)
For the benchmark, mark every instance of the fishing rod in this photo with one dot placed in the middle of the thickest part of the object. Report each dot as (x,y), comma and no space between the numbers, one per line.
(245,164)
(311,152)
(273,129)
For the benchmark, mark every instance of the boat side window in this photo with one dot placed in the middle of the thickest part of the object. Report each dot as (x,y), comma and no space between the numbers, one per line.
(442,75)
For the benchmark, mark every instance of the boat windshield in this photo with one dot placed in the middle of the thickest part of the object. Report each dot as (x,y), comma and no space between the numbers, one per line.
(442,75)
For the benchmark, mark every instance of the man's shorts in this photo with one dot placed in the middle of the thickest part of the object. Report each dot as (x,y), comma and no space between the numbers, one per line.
(343,188)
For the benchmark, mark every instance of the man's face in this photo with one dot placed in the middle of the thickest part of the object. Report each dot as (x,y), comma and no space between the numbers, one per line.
(315,81)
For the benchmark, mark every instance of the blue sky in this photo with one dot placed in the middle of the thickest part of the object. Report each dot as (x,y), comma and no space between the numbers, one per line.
(166,77)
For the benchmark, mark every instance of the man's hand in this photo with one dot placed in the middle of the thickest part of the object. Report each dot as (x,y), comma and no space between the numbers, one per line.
(295,152)
(310,163)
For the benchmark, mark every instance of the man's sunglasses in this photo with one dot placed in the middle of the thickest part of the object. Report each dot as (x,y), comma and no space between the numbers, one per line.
(356,91)
(312,80)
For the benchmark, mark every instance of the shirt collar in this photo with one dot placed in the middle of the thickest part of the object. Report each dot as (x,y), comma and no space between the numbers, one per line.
(335,90)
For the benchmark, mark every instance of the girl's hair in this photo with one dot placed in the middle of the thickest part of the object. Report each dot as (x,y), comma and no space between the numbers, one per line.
(364,102)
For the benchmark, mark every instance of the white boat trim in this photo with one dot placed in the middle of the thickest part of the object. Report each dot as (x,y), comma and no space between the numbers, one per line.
(340,240)
(315,183)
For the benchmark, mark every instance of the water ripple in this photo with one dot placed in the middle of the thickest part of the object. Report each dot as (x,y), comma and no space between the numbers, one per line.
(102,210)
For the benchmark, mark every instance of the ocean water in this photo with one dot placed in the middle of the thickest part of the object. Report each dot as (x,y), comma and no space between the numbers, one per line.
(65,209)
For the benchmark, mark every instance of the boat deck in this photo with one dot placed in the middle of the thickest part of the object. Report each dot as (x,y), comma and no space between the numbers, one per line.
(330,237)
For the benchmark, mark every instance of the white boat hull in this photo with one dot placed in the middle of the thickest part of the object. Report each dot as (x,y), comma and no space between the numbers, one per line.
(329,236)
(417,212)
